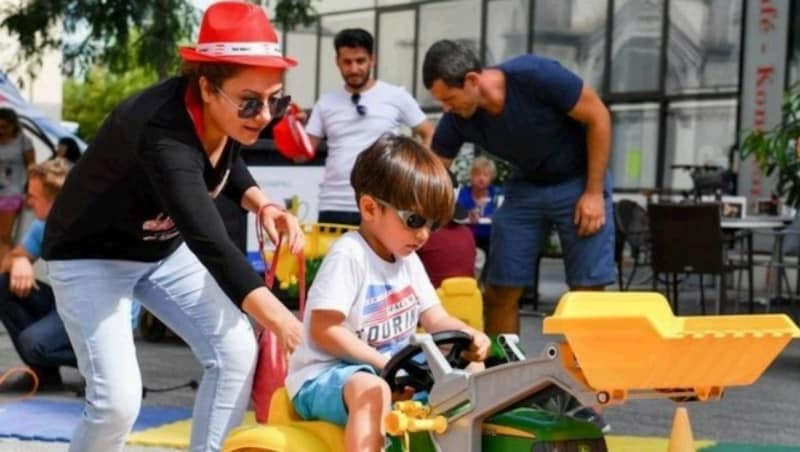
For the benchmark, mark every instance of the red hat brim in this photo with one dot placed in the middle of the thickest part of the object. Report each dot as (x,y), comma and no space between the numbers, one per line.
(189,54)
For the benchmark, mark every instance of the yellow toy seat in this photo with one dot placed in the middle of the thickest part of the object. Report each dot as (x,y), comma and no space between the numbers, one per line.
(462,299)
(286,432)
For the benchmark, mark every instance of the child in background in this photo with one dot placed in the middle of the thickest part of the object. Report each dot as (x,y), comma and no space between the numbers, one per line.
(371,292)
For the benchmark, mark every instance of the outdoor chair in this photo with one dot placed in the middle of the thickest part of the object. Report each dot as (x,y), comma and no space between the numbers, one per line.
(688,239)
(633,230)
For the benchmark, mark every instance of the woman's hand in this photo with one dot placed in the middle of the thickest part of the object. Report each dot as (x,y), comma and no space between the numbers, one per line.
(278,222)
(290,333)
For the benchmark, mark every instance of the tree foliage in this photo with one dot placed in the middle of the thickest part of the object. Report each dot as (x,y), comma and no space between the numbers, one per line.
(104,31)
(89,101)
(778,149)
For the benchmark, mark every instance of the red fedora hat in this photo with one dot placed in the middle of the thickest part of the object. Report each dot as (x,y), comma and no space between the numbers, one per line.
(237,32)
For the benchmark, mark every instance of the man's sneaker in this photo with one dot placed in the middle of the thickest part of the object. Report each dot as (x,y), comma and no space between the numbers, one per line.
(590,415)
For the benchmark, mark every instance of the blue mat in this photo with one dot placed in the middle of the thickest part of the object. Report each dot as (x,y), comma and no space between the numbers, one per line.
(54,420)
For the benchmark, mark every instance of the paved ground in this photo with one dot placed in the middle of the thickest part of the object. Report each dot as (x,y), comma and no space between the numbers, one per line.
(765,413)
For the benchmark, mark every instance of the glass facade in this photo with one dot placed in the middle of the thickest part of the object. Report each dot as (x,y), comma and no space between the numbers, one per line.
(634,133)
(506,30)
(698,132)
(396,47)
(301,84)
(703,47)
(667,69)
(438,21)
(574,33)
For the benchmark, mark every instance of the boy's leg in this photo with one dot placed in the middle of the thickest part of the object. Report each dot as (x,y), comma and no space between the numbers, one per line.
(93,299)
(181,293)
(518,231)
(589,261)
(368,399)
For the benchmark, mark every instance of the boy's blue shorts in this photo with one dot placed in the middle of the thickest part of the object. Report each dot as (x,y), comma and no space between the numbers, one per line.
(322,398)
(521,226)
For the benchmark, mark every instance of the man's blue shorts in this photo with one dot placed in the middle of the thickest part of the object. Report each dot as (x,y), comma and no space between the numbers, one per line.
(322,398)
(522,225)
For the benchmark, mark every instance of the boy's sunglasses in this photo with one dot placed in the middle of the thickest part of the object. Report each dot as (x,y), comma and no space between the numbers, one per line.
(360,109)
(252,107)
(412,220)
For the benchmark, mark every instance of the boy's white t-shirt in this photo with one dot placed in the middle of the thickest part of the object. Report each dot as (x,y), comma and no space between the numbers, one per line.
(381,302)
(388,107)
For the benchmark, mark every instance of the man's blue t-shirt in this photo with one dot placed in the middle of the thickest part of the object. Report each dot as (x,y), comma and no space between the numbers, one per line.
(534,131)
(32,242)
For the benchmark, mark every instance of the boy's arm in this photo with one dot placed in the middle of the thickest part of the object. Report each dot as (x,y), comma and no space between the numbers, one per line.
(435,319)
(330,335)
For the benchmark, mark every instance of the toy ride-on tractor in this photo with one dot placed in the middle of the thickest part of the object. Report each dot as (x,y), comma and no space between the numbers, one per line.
(617,345)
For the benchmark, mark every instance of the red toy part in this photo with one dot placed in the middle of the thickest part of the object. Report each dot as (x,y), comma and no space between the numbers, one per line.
(290,137)
(271,371)
(272,365)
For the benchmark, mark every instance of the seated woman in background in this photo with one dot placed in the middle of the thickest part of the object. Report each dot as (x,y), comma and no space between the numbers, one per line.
(480,199)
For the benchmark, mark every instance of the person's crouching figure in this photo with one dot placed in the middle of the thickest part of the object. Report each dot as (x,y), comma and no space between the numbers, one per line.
(27,306)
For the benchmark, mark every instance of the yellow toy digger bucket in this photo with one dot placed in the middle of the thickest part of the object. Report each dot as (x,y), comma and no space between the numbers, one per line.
(319,237)
(631,341)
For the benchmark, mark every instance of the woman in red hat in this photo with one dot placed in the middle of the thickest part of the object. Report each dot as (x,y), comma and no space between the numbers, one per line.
(136,219)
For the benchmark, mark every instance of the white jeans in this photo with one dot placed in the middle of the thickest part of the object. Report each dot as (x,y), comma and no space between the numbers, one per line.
(93,297)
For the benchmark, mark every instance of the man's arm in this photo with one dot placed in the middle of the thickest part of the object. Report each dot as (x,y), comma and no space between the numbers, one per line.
(425,132)
(590,110)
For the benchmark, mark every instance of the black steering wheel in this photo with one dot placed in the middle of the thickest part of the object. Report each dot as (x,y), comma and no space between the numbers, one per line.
(417,372)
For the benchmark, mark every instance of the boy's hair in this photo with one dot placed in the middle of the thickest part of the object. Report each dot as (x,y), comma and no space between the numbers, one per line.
(52,173)
(404,173)
(353,37)
(482,163)
(449,61)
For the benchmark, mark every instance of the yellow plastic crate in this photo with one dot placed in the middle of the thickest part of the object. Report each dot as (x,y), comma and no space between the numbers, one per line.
(632,341)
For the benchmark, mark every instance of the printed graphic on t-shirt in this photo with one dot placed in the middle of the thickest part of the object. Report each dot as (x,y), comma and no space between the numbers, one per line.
(389,317)
(5,174)
(160,228)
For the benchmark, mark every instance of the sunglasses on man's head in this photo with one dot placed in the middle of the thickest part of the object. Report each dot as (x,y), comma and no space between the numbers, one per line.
(412,220)
(251,107)
(360,109)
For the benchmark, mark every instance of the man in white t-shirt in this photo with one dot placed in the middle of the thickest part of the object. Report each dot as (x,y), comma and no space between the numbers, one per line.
(354,117)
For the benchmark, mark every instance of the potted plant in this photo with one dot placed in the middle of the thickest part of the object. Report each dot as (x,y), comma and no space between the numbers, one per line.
(778,149)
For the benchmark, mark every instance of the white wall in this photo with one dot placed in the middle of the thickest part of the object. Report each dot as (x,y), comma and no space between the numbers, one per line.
(45,90)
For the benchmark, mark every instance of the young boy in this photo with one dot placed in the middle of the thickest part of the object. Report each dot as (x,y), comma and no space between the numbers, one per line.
(372,290)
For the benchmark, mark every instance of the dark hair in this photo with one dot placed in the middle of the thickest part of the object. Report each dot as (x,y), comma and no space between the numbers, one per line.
(449,61)
(353,37)
(216,73)
(73,152)
(10,116)
(401,171)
